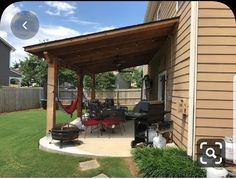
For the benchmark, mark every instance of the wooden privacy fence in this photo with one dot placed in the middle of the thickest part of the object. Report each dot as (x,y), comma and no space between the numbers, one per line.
(15,99)
(126,96)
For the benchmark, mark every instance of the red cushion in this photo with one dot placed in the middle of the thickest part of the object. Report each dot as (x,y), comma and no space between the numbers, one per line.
(109,122)
(91,122)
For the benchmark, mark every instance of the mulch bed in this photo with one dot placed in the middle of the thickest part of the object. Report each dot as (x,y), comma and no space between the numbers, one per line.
(132,167)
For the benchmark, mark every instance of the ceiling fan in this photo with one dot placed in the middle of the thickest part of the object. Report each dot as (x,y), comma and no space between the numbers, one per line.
(120,65)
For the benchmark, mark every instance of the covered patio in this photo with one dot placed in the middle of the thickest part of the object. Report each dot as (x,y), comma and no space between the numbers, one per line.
(97,53)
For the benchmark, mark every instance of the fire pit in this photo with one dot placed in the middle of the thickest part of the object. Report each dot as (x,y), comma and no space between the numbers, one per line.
(65,132)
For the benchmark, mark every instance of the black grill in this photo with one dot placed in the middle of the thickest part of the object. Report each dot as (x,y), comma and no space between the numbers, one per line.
(145,114)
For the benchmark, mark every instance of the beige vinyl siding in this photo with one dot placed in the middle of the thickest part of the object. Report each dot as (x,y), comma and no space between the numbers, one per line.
(174,57)
(216,67)
(167,9)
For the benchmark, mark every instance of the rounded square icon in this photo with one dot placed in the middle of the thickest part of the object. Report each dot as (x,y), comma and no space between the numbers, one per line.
(211,152)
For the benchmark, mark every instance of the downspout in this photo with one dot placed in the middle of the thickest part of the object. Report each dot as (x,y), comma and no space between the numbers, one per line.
(192,79)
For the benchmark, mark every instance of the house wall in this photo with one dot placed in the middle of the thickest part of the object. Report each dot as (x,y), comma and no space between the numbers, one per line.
(174,57)
(4,61)
(216,66)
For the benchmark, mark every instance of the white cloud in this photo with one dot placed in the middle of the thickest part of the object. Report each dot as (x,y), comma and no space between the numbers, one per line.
(17,55)
(105,28)
(56,32)
(60,8)
(49,33)
(3,34)
(52,13)
(45,33)
(7,15)
(100,29)
(81,22)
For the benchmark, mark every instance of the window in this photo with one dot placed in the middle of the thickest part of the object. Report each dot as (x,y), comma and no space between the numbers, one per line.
(159,12)
(178,5)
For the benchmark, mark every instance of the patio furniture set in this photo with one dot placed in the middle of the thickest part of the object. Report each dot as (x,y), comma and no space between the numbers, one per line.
(101,116)
(104,116)
(149,119)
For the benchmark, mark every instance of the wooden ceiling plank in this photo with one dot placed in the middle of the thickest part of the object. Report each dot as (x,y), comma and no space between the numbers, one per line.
(115,47)
(112,42)
(144,57)
(112,54)
(122,58)
(114,68)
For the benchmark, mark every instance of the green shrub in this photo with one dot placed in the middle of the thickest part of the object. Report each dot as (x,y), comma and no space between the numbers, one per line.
(168,162)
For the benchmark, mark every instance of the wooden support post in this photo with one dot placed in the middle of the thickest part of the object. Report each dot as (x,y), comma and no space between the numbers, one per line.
(93,93)
(51,91)
(80,94)
(118,97)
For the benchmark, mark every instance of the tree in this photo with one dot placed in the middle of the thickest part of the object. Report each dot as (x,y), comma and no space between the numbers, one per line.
(16,65)
(66,75)
(105,80)
(134,74)
(34,70)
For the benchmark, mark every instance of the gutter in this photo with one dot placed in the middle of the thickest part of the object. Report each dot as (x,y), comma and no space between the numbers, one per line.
(192,79)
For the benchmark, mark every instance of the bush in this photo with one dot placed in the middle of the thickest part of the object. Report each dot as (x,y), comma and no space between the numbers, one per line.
(168,162)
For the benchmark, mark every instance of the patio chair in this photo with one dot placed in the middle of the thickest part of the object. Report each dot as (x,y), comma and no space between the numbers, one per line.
(94,119)
(112,118)
(110,123)
(93,123)
(109,103)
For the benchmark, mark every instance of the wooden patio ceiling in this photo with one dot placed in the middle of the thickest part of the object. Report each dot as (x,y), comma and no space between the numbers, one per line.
(104,51)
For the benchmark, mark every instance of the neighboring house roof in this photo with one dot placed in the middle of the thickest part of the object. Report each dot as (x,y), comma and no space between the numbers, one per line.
(150,11)
(7,44)
(15,73)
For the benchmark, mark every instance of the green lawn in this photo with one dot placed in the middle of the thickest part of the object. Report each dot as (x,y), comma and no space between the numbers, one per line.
(20,156)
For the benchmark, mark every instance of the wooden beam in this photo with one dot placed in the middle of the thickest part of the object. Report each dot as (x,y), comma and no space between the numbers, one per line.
(143,28)
(60,62)
(93,93)
(80,94)
(51,91)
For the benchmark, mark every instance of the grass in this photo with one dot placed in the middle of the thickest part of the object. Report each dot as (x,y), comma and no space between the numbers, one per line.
(20,156)
(130,108)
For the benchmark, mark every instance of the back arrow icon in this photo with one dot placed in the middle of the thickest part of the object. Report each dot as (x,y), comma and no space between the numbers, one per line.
(23,25)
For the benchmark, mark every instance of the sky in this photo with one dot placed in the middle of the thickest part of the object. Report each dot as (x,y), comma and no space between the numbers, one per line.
(58,20)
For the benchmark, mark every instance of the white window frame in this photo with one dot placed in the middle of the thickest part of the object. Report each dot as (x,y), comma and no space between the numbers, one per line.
(158,11)
(159,86)
(178,5)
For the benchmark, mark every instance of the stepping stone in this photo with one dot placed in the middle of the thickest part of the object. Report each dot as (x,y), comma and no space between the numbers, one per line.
(101,175)
(87,165)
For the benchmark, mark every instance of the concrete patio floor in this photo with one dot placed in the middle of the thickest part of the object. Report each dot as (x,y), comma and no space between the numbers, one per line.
(109,144)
